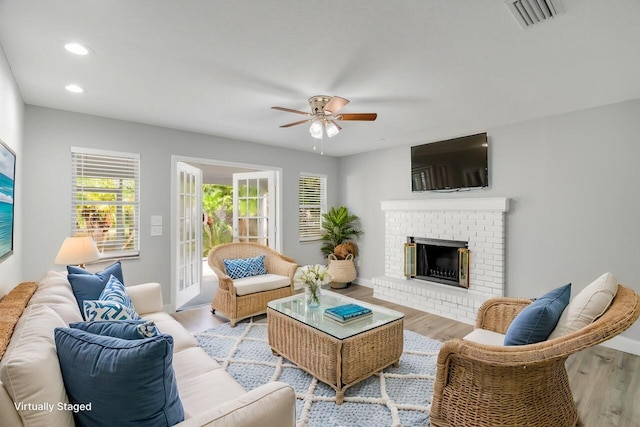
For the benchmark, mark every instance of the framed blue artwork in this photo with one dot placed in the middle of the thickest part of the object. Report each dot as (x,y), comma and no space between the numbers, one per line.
(7,191)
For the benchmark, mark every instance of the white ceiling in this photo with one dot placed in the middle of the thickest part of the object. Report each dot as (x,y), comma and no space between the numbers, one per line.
(431,69)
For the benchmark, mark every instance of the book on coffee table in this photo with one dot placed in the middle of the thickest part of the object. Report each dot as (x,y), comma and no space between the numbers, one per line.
(346,312)
(348,321)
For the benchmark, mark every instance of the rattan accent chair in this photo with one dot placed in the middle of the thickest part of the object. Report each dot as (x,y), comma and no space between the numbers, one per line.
(238,307)
(482,385)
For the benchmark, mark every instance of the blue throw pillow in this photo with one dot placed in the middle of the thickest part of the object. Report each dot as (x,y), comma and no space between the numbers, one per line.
(244,267)
(89,286)
(115,291)
(536,321)
(125,329)
(125,382)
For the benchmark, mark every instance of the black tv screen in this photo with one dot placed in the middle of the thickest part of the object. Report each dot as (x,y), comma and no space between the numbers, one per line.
(450,165)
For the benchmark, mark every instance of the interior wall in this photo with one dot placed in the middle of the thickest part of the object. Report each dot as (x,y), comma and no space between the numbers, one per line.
(572,181)
(49,136)
(11,126)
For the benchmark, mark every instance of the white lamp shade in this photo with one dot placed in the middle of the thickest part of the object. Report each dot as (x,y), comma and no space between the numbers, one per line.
(77,250)
(316,130)
(332,129)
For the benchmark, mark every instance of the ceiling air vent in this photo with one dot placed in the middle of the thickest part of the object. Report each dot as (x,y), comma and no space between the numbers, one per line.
(531,12)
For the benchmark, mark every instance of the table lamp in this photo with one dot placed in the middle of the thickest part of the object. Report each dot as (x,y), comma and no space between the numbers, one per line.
(77,250)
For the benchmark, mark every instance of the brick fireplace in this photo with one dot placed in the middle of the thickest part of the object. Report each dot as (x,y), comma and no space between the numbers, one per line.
(480,222)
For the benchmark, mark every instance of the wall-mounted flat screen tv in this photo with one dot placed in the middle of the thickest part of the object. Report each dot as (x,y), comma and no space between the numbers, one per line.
(454,164)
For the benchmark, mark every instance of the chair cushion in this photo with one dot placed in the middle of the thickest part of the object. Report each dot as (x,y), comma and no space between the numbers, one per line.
(244,267)
(264,282)
(88,286)
(536,321)
(30,371)
(484,336)
(126,382)
(125,329)
(587,306)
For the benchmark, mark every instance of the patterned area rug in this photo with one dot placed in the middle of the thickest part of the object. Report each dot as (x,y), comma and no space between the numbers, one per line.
(396,397)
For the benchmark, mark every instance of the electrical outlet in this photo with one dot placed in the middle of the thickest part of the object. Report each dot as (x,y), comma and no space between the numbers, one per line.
(359,262)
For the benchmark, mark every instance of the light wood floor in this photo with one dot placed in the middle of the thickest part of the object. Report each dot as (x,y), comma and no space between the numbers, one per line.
(605,382)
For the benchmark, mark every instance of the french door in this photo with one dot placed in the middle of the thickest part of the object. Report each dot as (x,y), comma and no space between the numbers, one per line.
(189,233)
(254,208)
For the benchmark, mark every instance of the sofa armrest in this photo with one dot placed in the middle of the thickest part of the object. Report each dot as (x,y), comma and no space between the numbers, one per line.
(496,314)
(272,404)
(146,297)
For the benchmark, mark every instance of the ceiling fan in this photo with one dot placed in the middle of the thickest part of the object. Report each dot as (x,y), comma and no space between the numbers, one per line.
(324,115)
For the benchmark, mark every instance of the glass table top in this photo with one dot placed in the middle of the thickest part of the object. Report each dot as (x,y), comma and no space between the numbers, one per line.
(296,308)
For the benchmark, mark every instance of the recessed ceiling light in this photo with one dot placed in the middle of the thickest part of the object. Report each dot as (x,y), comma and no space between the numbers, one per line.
(76,48)
(74,88)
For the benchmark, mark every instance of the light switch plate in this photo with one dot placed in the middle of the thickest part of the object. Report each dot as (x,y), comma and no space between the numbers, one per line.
(156,220)
(156,230)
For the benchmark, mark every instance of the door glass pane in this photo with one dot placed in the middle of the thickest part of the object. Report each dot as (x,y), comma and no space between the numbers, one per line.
(263,186)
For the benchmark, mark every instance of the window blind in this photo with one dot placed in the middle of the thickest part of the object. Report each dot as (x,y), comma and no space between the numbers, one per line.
(105,200)
(312,196)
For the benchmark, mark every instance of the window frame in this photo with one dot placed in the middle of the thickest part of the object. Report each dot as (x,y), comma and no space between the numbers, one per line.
(305,233)
(123,164)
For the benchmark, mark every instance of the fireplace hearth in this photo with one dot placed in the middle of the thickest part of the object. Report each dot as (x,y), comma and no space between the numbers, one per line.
(437,260)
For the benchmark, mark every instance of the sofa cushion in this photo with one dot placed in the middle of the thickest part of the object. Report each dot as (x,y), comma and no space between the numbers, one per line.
(88,286)
(126,382)
(244,267)
(219,385)
(54,291)
(166,324)
(114,291)
(536,321)
(125,329)
(587,306)
(30,371)
(264,282)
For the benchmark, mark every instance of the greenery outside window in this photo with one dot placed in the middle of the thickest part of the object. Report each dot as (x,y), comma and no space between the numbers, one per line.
(312,196)
(105,200)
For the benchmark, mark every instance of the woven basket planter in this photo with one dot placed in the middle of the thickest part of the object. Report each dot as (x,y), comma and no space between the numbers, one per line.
(343,271)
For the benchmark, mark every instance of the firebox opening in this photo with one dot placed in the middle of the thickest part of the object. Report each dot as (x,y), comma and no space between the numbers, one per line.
(441,261)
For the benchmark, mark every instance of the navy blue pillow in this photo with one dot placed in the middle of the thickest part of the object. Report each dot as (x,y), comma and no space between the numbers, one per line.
(89,286)
(125,382)
(537,320)
(125,329)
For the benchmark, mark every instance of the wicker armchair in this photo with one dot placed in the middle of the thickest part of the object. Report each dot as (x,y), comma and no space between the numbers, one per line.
(482,385)
(238,307)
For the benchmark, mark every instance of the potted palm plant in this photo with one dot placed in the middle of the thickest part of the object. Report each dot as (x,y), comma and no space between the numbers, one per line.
(340,227)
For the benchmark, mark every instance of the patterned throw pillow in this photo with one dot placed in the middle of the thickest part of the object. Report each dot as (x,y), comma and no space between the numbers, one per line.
(116,292)
(104,310)
(244,267)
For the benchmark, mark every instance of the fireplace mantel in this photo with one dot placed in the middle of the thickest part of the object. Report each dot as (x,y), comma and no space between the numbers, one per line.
(467,204)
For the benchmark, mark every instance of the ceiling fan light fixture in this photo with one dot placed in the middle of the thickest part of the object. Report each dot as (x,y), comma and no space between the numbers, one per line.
(332,129)
(316,129)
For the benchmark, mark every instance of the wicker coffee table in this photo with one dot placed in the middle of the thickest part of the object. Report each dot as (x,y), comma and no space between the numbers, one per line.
(338,355)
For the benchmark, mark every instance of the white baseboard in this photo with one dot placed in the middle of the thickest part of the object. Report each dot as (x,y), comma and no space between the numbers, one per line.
(623,344)
(367,283)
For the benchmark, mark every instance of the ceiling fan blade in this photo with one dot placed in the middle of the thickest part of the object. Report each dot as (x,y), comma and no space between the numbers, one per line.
(335,104)
(289,110)
(295,123)
(358,116)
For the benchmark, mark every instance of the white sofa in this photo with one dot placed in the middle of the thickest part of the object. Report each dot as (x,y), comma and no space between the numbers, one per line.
(30,373)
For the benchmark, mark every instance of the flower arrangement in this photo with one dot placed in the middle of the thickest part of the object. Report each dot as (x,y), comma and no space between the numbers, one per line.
(313,276)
